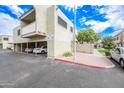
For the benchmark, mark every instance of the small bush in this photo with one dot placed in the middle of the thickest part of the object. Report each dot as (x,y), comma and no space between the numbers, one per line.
(107,53)
(67,54)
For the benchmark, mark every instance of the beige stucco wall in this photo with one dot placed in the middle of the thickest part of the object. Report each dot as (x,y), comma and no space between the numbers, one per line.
(23,24)
(6,43)
(120,41)
(63,36)
(50,31)
(85,48)
(119,38)
(28,28)
(39,25)
(41,17)
(17,48)
(19,39)
(58,38)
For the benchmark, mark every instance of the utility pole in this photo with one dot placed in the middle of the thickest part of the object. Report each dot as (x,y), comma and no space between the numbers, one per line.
(74,35)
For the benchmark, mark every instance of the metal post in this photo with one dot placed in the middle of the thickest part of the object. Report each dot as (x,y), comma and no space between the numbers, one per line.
(74,36)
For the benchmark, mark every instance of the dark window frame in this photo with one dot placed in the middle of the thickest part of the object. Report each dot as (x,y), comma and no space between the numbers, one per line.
(117,37)
(71,28)
(62,22)
(6,38)
(18,33)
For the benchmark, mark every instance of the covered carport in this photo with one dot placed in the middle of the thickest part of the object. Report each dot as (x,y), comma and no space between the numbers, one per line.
(40,44)
(31,44)
(20,47)
(23,46)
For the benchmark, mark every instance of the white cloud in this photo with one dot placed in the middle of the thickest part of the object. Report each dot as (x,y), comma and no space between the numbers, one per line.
(97,25)
(82,20)
(16,10)
(114,16)
(7,23)
(71,7)
(84,11)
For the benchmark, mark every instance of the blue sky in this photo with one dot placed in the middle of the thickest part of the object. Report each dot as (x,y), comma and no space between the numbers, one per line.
(106,20)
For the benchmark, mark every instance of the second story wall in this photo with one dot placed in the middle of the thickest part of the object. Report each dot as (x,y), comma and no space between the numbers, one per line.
(6,39)
(119,38)
(18,39)
(17,36)
(63,27)
(60,32)
(41,18)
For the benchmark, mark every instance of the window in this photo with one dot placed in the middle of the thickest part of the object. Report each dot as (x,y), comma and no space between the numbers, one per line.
(117,51)
(5,38)
(122,50)
(18,32)
(117,38)
(62,22)
(71,28)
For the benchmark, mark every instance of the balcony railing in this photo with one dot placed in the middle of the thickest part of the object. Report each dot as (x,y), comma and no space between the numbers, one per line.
(28,29)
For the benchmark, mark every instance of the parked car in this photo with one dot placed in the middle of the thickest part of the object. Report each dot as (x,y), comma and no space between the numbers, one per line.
(42,49)
(118,55)
(29,50)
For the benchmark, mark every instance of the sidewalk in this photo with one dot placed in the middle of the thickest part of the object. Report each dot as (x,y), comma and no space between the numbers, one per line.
(93,60)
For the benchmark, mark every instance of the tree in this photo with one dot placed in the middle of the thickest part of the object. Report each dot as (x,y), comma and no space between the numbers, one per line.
(87,35)
(108,42)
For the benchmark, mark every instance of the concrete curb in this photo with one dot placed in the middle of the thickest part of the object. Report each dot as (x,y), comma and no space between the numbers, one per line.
(82,64)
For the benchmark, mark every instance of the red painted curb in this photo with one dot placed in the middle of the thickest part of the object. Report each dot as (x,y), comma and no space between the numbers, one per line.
(94,66)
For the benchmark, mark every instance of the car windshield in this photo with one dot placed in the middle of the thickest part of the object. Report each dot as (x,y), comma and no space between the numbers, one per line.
(122,50)
(37,49)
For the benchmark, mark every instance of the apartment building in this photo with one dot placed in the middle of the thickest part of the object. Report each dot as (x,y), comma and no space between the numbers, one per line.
(6,42)
(44,25)
(119,39)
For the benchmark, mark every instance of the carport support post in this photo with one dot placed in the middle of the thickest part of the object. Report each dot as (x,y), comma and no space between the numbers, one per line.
(13,47)
(27,47)
(21,47)
(35,47)
(16,47)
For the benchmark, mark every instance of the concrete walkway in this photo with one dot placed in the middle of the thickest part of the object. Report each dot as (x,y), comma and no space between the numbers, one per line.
(92,60)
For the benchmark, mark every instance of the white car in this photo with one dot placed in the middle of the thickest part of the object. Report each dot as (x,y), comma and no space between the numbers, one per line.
(29,50)
(118,55)
(42,50)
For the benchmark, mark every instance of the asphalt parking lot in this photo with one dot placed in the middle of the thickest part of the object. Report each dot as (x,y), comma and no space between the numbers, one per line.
(30,71)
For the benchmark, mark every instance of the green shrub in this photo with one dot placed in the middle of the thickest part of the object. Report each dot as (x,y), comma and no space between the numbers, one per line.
(67,54)
(104,51)
(107,53)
